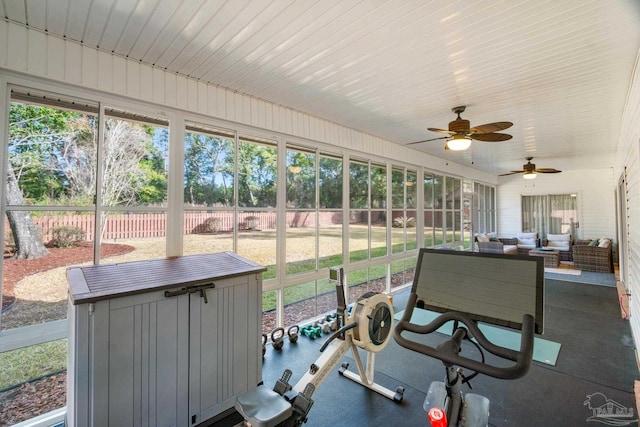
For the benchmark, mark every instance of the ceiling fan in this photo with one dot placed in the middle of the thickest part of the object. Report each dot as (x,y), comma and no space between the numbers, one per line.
(461,133)
(529,170)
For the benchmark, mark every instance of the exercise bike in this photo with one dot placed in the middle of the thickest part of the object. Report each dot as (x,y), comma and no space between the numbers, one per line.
(368,327)
(440,286)
(445,403)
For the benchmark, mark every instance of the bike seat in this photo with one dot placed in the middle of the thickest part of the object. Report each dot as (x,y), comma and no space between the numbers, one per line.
(263,407)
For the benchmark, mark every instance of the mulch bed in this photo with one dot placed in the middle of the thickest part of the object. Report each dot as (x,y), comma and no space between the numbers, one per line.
(46,394)
(16,269)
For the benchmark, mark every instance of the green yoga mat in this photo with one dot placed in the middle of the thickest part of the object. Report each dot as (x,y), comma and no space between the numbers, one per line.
(544,351)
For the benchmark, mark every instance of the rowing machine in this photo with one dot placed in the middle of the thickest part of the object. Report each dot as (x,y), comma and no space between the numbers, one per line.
(368,327)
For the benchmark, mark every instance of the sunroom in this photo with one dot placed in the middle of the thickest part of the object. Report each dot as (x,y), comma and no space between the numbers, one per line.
(281,131)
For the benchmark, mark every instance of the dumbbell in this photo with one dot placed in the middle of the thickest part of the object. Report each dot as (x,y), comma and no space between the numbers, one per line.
(311,331)
(333,321)
(277,338)
(322,325)
(264,344)
(292,332)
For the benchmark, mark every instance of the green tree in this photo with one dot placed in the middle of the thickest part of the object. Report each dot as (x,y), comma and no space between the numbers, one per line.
(301,179)
(208,172)
(257,172)
(330,181)
(35,134)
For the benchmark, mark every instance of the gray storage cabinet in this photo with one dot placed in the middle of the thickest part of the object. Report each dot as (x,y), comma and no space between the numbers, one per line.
(167,342)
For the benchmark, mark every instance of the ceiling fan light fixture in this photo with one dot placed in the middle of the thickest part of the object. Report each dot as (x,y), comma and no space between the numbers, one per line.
(458,143)
(529,175)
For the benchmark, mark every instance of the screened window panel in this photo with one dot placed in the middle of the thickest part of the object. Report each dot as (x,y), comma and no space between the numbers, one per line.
(301,179)
(358,185)
(301,241)
(429,198)
(257,239)
(330,239)
(397,188)
(412,190)
(358,235)
(330,182)
(378,186)
(209,167)
(52,156)
(135,167)
(438,191)
(208,231)
(257,173)
(429,229)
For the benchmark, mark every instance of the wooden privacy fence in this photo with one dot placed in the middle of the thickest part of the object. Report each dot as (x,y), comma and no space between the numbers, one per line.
(141,225)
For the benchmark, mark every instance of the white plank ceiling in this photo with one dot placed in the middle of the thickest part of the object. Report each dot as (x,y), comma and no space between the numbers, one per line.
(559,70)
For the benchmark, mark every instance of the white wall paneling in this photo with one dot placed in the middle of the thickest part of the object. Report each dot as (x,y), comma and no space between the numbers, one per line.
(628,157)
(595,190)
(37,54)
(70,62)
(89,67)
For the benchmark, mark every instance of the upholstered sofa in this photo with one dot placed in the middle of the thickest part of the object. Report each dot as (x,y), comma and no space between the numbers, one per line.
(490,244)
(559,242)
(526,241)
(593,255)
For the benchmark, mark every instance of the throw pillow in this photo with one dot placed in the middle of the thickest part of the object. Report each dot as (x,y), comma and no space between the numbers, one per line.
(604,243)
(494,239)
(594,242)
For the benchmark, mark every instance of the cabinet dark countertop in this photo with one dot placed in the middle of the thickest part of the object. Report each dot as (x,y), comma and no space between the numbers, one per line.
(100,282)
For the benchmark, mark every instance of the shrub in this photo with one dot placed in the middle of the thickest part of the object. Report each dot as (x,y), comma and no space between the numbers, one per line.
(64,236)
(252,222)
(211,225)
(403,221)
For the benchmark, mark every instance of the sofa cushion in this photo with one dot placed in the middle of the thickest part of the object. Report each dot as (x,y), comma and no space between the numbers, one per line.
(559,237)
(527,235)
(561,242)
(527,240)
(510,249)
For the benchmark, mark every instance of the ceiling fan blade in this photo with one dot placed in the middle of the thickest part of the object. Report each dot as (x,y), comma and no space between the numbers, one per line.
(490,127)
(511,173)
(448,132)
(491,137)
(427,140)
(547,170)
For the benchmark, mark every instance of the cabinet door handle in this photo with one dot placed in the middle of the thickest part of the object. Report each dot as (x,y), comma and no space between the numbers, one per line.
(190,290)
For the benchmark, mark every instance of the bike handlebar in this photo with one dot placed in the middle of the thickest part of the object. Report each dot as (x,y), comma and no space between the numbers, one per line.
(522,358)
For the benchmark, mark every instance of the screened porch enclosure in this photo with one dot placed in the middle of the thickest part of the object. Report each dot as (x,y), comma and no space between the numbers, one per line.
(94,179)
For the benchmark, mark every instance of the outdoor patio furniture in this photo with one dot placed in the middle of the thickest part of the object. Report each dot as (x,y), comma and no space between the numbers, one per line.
(551,256)
(526,241)
(593,255)
(489,244)
(559,242)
